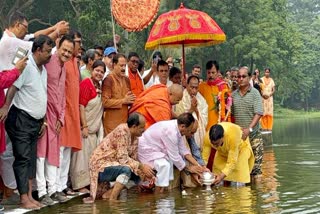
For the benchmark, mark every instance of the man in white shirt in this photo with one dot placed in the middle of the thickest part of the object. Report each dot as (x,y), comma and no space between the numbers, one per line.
(26,118)
(161,146)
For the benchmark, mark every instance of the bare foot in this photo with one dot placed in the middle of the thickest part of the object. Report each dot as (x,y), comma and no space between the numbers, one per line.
(107,194)
(27,204)
(88,200)
(84,190)
(37,203)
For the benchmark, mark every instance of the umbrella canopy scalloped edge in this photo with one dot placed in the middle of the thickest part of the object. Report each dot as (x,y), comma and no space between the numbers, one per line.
(170,41)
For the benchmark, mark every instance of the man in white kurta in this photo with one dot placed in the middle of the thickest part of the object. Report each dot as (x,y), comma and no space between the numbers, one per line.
(161,146)
(193,102)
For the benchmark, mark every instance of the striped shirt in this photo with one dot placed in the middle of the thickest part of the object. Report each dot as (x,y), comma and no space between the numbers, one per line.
(245,107)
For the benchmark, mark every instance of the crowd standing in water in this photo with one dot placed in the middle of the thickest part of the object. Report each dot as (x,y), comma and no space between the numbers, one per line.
(97,118)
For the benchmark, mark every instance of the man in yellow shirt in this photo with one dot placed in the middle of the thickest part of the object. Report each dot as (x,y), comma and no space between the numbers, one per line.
(234,158)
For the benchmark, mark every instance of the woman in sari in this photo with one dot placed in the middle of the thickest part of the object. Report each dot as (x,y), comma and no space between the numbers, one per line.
(267,95)
(91,111)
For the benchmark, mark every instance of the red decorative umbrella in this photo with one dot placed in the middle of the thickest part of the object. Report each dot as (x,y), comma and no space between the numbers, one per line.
(186,27)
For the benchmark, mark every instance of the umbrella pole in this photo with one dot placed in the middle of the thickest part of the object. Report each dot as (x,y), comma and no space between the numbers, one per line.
(183,62)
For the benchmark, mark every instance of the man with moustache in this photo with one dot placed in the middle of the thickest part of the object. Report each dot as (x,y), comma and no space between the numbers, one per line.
(116,95)
(247,111)
(26,118)
(210,90)
(194,103)
(234,78)
(70,132)
(48,147)
(136,81)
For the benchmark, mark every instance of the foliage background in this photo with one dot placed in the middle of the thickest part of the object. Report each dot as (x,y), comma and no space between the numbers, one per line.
(280,34)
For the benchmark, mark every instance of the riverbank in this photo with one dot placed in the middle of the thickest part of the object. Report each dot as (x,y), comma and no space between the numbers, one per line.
(284,113)
(14,209)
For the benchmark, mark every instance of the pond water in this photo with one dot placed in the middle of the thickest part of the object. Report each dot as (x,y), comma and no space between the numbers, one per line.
(290,183)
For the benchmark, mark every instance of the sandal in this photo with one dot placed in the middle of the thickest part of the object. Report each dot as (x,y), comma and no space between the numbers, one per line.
(69,191)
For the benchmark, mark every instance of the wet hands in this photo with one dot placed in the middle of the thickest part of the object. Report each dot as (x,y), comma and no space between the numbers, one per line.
(147,170)
(219,178)
(129,98)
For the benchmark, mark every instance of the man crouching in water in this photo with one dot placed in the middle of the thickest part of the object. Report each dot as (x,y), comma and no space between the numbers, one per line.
(115,159)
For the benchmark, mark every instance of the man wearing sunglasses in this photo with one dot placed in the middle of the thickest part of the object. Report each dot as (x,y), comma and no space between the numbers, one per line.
(247,111)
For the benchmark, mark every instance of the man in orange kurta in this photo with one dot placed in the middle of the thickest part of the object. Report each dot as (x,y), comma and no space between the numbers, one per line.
(116,95)
(210,90)
(155,103)
(136,81)
(70,132)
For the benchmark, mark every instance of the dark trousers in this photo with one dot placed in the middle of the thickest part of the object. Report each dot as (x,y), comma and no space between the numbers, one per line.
(112,172)
(23,131)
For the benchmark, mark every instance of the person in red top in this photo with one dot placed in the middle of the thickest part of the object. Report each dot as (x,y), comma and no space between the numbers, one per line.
(136,81)
(7,78)
(91,112)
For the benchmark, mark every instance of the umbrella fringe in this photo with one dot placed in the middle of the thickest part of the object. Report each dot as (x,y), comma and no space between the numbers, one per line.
(167,41)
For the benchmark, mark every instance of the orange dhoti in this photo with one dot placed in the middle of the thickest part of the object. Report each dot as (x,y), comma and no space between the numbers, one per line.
(153,104)
(266,122)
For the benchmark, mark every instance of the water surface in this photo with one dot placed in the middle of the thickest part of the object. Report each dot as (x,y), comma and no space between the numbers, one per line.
(290,182)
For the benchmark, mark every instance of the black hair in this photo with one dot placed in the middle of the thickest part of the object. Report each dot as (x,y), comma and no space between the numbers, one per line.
(115,59)
(66,38)
(162,63)
(268,69)
(131,54)
(216,132)
(192,77)
(212,63)
(98,63)
(134,119)
(90,54)
(185,119)
(74,34)
(40,41)
(109,44)
(98,47)
(15,17)
(173,71)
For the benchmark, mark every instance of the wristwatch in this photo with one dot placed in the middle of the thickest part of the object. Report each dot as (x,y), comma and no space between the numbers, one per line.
(250,129)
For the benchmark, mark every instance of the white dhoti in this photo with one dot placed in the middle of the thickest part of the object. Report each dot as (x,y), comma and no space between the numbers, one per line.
(164,172)
(46,176)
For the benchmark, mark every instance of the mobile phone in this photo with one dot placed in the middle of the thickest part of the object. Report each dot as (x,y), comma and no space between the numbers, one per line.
(20,53)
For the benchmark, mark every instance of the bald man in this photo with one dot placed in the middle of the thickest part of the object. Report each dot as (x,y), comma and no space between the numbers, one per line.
(156,102)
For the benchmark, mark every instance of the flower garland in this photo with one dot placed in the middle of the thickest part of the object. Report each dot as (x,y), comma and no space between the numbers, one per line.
(224,103)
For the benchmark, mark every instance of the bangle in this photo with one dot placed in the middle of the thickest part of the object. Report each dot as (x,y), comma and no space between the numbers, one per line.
(45,123)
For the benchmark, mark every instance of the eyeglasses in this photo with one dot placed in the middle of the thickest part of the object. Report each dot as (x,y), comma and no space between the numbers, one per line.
(134,61)
(242,76)
(26,26)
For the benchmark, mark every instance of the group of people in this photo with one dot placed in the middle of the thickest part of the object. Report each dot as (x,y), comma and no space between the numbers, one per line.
(98,119)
